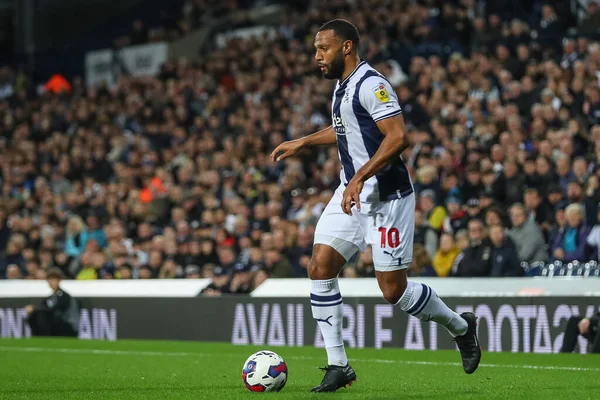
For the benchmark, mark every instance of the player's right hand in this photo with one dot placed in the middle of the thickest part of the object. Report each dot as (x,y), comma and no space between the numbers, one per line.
(584,326)
(286,149)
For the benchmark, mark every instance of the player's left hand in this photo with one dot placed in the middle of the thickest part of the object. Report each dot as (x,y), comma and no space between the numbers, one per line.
(351,195)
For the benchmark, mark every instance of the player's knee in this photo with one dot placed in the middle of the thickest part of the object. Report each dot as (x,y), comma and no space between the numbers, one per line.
(392,285)
(317,270)
(325,263)
(392,298)
(393,292)
(313,268)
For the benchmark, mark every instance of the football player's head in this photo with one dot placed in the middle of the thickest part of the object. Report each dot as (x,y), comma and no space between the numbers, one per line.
(336,41)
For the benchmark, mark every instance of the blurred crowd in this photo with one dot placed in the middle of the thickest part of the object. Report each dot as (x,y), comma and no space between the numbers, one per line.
(193,15)
(169,177)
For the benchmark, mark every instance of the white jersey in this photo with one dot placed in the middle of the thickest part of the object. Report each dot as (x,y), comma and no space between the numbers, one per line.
(359,101)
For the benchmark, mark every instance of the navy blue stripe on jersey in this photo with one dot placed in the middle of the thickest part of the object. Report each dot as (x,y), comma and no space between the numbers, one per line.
(332,297)
(392,114)
(342,140)
(394,180)
(345,81)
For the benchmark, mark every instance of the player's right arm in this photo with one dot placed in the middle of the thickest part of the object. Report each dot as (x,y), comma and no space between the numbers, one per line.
(287,149)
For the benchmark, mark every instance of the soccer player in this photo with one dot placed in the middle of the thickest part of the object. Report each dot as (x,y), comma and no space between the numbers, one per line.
(374,204)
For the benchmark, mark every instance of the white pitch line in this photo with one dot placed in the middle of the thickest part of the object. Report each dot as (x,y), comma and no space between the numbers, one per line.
(363,360)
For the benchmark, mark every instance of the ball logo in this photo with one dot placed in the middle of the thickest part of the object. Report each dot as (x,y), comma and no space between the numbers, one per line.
(339,125)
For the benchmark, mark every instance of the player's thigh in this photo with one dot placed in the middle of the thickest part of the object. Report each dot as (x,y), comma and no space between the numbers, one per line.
(391,230)
(338,237)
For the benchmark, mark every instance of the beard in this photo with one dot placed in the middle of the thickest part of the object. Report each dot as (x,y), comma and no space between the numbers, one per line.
(336,69)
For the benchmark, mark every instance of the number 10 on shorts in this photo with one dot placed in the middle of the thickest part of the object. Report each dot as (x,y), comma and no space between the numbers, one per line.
(389,237)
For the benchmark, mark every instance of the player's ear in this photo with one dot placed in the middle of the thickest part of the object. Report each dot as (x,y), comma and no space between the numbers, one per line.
(347,47)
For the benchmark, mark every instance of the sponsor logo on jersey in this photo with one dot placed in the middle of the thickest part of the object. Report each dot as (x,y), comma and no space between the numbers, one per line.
(381,93)
(339,125)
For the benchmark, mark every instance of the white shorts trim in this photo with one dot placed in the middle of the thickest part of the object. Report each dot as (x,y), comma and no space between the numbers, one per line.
(345,248)
(390,267)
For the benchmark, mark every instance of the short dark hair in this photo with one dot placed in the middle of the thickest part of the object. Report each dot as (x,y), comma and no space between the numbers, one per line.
(55,273)
(343,29)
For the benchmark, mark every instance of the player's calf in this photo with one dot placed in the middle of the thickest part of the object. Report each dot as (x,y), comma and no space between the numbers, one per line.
(328,310)
(422,302)
(326,301)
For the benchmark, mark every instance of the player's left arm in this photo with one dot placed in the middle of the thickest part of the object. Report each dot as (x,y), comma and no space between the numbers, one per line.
(384,109)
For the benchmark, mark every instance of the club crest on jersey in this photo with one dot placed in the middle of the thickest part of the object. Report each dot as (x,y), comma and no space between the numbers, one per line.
(339,125)
(346,97)
(381,93)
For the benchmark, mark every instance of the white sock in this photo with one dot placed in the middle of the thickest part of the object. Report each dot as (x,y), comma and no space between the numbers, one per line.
(421,301)
(328,311)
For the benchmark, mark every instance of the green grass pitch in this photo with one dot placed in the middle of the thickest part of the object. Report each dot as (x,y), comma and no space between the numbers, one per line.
(126,369)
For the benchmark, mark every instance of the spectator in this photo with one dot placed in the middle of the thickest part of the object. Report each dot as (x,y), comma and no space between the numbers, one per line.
(592,199)
(593,239)
(278,265)
(456,219)
(588,27)
(505,261)
(13,272)
(475,260)
(5,228)
(220,284)
(513,183)
(472,185)
(527,236)
(192,272)
(570,244)
(13,258)
(445,256)
(462,239)
(560,221)
(486,199)
(435,214)
(125,271)
(473,209)
(242,279)
(76,237)
(144,272)
(536,209)
(95,232)
(425,234)
(493,217)
(553,199)
(421,263)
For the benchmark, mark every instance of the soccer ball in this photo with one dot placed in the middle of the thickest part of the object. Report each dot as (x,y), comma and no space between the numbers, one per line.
(265,371)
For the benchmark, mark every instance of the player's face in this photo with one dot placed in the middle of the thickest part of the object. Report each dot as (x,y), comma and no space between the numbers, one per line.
(329,54)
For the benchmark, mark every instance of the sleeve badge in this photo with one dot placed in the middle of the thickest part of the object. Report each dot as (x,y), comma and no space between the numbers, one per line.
(381,93)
